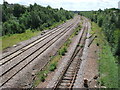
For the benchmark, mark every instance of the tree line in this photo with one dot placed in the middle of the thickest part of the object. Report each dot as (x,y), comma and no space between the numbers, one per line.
(18,18)
(109,21)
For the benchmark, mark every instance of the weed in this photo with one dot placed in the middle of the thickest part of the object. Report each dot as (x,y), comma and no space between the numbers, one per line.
(62,51)
(81,46)
(52,67)
(107,67)
(42,78)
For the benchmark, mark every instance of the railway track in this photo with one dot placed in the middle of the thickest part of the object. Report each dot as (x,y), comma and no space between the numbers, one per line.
(69,74)
(10,56)
(21,58)
(17,51)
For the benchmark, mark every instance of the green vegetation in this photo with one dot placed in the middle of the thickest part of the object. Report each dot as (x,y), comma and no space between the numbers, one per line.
(17,18)
(108,68)
(62,51)
(109,21)
(76,30)
(51,66)
(12,39)
(21,23)
(0,27)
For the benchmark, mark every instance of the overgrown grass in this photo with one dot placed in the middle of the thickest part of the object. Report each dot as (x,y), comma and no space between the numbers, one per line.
(108,68)
(10,40)
(51,66)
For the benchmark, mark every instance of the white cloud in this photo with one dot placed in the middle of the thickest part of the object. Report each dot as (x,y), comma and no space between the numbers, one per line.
(72,4)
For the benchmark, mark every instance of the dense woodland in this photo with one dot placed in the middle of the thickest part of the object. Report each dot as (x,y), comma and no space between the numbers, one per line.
(17,18)
(109,21)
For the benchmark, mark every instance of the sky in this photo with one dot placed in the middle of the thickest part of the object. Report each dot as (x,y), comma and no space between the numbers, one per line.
(75,5)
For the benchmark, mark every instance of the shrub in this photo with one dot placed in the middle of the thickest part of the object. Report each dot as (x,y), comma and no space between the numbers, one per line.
(52,67)
(42,78)
(62,51)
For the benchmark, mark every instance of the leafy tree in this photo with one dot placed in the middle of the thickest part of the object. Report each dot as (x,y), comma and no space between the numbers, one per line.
(11,27)
(109,21)
(18,10)
(100,21)
(17,18)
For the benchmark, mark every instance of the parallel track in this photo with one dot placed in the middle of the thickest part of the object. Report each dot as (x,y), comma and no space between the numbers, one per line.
(68,77)
(25,47)
(14,64)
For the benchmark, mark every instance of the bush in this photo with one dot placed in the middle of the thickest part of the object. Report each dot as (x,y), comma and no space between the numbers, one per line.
(42,78)
(62,51)
(33,16)
(12,27)
(52,67)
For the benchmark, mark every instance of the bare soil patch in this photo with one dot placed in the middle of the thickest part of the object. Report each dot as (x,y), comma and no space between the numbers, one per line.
(91,68)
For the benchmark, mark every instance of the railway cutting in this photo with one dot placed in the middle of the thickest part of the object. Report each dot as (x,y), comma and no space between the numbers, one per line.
(18,64)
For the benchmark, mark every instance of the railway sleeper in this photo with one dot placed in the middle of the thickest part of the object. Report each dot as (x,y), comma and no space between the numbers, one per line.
(66,81)
(61,87)
(69,75)
(65,84)
(71,68)
(67,78)
(69,72)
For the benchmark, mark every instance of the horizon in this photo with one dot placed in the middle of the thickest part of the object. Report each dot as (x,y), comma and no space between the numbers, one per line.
(71,5)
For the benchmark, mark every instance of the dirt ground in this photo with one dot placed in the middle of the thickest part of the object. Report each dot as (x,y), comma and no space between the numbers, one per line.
(91,68)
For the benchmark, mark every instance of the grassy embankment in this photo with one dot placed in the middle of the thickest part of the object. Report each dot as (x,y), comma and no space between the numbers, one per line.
(10,40)
(108,68)
(51,66)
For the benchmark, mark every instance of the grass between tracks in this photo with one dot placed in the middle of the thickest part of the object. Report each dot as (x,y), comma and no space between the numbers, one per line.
(51,66)
(10,40)
(108,68)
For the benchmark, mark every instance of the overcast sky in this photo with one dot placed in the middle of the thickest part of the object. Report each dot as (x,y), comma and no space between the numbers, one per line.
(79,5)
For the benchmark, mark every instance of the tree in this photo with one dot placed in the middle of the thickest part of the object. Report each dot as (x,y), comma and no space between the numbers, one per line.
(100,21)
(17,18)
(18,10)
(12,27)
(35,20)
